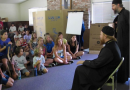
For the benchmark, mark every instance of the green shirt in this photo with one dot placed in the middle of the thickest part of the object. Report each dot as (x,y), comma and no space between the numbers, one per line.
(64,41)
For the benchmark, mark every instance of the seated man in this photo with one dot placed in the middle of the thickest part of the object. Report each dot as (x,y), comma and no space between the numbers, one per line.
(92,74)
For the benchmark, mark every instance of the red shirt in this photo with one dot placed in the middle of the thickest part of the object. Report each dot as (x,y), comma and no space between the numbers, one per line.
(23,44)
(1,24)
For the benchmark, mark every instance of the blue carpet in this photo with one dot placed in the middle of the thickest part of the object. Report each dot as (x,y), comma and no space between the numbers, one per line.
(58,78)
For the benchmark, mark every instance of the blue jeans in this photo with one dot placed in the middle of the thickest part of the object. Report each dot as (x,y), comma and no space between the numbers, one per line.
(5,80)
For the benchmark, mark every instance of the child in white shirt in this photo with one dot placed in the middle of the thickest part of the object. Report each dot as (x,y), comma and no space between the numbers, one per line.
(12,28)
(17,36)
(21,29)
(39,61)
(19,62)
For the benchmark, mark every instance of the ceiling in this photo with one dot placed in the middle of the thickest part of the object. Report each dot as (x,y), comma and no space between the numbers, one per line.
(12,1)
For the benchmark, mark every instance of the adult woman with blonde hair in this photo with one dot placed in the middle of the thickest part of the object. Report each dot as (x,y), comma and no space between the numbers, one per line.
(60,55)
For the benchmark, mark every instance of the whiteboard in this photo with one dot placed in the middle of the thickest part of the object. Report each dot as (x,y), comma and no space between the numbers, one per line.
(74,23)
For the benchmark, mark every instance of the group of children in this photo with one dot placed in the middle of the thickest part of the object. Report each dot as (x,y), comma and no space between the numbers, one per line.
(44,51)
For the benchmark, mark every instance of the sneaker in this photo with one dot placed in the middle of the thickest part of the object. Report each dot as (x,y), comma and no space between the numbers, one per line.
(71,61)
(56,64)
(53,64)
(39,72)
(78,57)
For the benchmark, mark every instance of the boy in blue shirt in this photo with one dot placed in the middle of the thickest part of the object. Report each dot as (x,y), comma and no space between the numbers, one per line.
(4,44)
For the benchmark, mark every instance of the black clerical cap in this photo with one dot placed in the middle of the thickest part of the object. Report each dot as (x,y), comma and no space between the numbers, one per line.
(108,30)
(117,2)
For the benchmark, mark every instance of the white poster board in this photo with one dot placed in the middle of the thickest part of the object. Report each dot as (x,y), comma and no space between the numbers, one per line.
(74,23)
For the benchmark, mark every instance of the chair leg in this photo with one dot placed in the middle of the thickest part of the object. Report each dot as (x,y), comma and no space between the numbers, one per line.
(115,81)
(112,82)
(8,70)
(9,61)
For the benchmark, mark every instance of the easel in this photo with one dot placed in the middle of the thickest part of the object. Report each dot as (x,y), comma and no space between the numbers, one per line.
(80,29)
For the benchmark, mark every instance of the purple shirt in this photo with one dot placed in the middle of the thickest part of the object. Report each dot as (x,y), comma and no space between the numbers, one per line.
(27,37)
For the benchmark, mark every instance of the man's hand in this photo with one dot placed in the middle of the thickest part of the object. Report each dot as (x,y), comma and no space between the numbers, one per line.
(80,62)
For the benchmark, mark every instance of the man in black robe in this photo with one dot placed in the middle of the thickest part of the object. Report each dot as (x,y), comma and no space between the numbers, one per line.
(115,26)
(92,74)
(122,39)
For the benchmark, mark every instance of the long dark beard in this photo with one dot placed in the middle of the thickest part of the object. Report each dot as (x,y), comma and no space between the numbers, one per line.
(102,41)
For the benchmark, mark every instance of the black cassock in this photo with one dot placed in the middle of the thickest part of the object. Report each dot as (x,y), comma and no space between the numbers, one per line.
(123,43)
(93,73)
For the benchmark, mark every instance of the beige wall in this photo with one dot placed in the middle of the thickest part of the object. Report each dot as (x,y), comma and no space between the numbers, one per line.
(10,10)
(24,16)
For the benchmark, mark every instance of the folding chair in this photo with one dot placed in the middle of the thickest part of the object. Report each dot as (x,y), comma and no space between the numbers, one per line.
(112,77)
(8,55)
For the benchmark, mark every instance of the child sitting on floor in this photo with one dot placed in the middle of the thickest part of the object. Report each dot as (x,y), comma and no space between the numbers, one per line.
(73,47)
(6,80)
(49,44)
(39,61)
(48,61)
(17,36)
(18,62)
(60,55)
(33,42)
(18,44)
(24,45)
